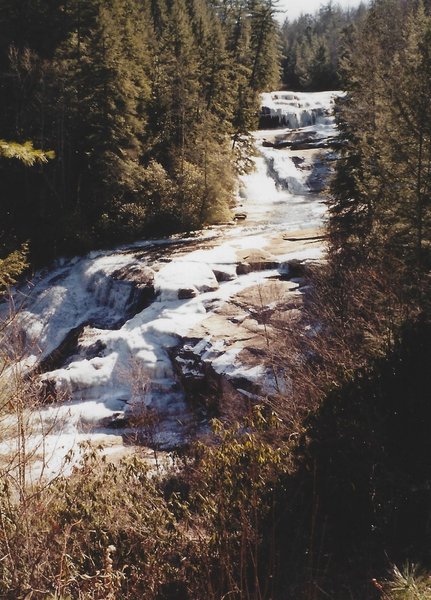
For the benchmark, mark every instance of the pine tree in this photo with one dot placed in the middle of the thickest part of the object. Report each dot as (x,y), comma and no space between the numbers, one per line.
(105,103)
(129,94)
(313,46)
(264,42)
(380,211)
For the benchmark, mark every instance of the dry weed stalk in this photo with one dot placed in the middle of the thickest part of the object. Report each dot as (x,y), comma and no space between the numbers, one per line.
(343,318)
(143,417)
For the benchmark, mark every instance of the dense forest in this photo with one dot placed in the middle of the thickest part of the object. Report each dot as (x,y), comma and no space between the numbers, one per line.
(312,47)
(145,108)
(324,492)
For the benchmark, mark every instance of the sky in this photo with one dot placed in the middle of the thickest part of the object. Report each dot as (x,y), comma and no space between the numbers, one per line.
(293,8)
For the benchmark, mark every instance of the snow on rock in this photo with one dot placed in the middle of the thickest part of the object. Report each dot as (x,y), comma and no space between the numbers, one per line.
(114,332)
(180,275)
(253,259)
(295,109)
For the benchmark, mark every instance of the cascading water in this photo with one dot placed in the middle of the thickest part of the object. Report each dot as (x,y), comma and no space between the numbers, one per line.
(284,190)
(295,109)
(101,328)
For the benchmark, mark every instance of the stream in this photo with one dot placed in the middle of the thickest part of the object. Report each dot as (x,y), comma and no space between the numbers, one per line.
(123,341)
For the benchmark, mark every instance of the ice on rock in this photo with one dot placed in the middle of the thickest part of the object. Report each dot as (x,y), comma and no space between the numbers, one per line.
(118,357)
(294,110)
(180,275)
(83,374)
(269,203)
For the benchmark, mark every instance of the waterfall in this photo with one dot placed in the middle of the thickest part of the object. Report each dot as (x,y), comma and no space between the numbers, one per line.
(99,330)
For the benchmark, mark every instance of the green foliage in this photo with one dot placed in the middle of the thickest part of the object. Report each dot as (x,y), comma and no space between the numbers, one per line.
(122,85)
(313,47)
(14,263)
(380,213)
(24,153)
(12,266)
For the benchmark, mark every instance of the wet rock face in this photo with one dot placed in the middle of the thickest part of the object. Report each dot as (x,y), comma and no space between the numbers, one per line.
(210,392)
(255,260)
(197,380)
(298,140)
(66,348)
(138,281)
(225,365)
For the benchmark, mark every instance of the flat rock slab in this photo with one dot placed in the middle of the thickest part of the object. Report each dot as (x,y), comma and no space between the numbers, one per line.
(244,324)
(293,242)
(254,259)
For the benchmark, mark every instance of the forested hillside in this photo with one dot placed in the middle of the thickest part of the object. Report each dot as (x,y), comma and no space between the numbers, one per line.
(313,46)
(139,102)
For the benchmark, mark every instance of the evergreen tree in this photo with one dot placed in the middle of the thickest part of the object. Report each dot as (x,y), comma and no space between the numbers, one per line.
(312,47)
(380,211)
(131,95)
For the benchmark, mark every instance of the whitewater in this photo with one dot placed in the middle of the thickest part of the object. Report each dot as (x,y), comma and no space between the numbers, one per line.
(112,335)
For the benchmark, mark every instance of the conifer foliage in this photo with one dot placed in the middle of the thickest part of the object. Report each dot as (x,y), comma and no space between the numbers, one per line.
(381,211)
(140,102)
(312,47)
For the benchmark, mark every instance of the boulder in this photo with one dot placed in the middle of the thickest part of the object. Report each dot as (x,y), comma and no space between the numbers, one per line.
(140,281)
(187,293)
(223,275)
(142,275)
(255,260)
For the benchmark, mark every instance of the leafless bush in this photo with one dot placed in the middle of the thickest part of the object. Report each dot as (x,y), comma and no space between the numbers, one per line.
(344,318)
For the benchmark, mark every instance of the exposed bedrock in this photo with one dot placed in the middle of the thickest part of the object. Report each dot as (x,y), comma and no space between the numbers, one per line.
(185,328)
(206,389)
(131,286)
(226,365)
(301,140)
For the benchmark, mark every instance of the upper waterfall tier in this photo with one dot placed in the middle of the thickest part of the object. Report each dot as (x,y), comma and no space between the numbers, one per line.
(296,109)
